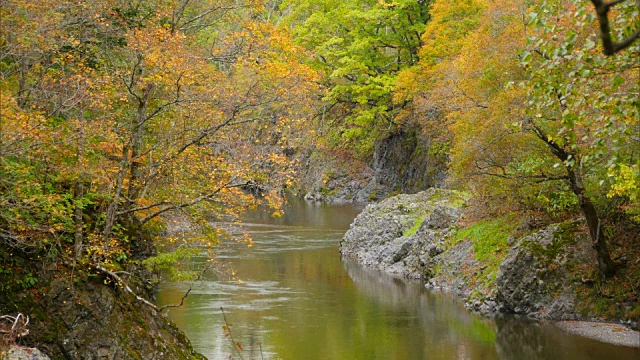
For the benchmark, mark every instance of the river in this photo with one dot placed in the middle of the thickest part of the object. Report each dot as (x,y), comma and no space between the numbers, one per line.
(292,297)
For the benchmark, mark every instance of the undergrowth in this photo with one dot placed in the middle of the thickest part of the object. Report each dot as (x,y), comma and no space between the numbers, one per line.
(489,239)
(619,296)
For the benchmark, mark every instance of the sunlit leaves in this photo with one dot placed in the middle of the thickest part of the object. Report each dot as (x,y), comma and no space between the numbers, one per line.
(359,47)
(129,103)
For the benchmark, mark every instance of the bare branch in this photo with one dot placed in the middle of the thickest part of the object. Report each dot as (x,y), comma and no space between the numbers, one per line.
(205,269)
(198,199)
(126,287)
(476,103)
(141,208)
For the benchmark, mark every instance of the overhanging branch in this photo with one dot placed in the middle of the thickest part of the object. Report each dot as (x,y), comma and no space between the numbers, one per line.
(610,47)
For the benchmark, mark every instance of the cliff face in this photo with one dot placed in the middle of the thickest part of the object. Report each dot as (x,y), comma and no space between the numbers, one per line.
(407,162)
(538,273)
(82,314)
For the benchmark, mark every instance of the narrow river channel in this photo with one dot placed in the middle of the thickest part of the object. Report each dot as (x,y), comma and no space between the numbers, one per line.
(294,298)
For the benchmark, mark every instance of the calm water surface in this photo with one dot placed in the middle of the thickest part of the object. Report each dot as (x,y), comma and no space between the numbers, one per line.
(293,298)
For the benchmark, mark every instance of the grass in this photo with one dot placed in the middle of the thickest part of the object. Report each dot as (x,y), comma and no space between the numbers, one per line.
(488,236)
(489,239)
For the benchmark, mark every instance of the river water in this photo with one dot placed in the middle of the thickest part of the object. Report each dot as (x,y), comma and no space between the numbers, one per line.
(292,297)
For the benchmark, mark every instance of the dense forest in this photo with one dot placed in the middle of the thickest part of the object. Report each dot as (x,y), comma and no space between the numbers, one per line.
(119,116)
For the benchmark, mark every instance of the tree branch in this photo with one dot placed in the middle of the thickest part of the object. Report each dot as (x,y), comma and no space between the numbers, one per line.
(126,287)
(609,46)
(205,269)
(200,198)
(477,104)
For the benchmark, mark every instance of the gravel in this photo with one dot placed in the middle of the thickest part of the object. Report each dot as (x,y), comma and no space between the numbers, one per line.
(610,333)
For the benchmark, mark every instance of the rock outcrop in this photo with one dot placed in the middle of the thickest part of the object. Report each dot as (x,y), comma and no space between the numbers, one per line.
(85,315)
(415,236)
(537,276)
(16,352)
(402,234)
(405,161)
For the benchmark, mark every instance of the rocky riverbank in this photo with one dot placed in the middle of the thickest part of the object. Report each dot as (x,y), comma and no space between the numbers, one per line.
(83,313)
(497,266)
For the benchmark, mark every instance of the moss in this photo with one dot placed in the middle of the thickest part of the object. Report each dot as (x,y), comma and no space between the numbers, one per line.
(489,239)
(563,238)
(488,236)
(456,199)
(416,225)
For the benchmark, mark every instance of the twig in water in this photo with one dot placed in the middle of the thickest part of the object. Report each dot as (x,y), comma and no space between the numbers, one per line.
(205,269)
(227,327)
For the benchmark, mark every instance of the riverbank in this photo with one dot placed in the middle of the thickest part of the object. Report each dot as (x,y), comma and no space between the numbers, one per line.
(75,311)
(605,332)
(498,265)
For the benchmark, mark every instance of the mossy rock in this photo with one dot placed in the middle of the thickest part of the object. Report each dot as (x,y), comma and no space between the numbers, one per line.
(75,314)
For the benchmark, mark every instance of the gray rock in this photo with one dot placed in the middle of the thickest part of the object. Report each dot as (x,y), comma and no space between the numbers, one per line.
(535,277)
(403,251)
(24,353)
(405,161)
(381,236)
(441,217)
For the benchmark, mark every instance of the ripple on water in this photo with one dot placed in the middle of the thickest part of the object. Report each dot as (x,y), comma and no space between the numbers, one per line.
(241,295)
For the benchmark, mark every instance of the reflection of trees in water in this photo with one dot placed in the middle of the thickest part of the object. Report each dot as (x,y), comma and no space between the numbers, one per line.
(406,293)
(448,330)
(530,340)
(309,214)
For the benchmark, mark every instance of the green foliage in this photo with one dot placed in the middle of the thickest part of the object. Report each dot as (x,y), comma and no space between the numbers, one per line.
(171,263)
(585,102)
(33,203)
(489,238)
(359,46)
(28,282)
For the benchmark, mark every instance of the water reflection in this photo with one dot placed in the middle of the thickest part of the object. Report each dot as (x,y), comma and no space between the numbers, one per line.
(528,340)
(297,300)
(432,326)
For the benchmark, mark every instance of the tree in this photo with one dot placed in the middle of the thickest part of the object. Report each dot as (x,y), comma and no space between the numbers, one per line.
(584,108)
(359,47)
(609,45)
(540,120)
(132,113)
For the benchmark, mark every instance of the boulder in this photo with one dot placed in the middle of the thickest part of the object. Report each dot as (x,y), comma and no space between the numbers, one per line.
(400,234)
(16,352)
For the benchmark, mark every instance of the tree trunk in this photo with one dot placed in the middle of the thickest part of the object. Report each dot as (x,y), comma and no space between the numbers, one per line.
(128,163)
(78,218)
(78,190)
(598,238)
(136,143)
(113,207)
(599,241)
